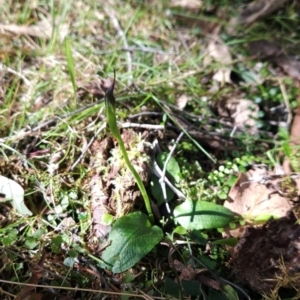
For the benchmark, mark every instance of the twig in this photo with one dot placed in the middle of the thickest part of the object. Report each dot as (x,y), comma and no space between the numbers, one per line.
(162,179)
(9,70)
(146,126)
(157,171)
(88,146)
(73,289)
(122,35)
(147,49)
(145,113)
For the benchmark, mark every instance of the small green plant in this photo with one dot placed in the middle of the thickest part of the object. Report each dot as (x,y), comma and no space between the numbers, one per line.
(110,105)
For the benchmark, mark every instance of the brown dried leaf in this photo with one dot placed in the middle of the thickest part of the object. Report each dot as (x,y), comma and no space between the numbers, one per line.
(182,101)
(251,199)
(263,49)
(37,273)
(97,88)
(290,65)
(275,54)
(252,12)
(186,272)
(218,52)
(42,29)
(189,4)
(243,113)
(190,273)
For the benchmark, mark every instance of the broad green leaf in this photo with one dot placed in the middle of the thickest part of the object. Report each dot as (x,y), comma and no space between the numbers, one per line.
(14,192)
(202,215)
(173,170)
(132,237)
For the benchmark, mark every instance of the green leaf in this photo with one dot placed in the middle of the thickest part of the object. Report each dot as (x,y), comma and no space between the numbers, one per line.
(70,62)
(132,237)
(202,215)
(191,288)
(173,169)
(69,262)
(10,238)
(229,242)
(230,292)
(171,287)
(31,243)
(179,230)
(199,237)
(38,233)
(56,243)
(14,192)
(72,253)
(107,219)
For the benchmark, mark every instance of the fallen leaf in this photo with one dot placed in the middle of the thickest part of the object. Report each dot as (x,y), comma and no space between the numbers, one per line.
(252,12)
(12,191)
(219,53)
(242,112)
(258,195)
(189,4)
(36,275)
(290,65)
(186,272)
(263,49)
(251,198)
(182,101)
(42,29)
(97,88)
(273,53)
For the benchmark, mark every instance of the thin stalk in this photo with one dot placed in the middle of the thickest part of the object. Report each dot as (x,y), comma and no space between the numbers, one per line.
(110,105)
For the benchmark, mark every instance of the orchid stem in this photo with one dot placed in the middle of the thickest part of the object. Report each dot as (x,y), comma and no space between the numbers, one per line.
(110,105)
